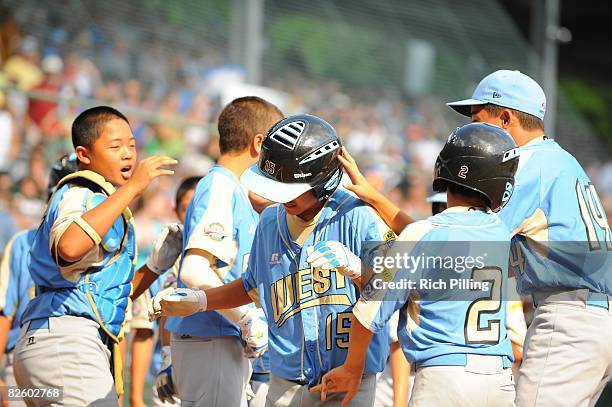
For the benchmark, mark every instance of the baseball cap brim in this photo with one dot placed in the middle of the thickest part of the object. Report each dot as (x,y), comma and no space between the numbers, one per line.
(258,182)
(463,106)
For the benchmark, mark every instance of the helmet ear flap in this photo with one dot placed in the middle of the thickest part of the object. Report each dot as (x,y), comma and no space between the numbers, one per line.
(328,185)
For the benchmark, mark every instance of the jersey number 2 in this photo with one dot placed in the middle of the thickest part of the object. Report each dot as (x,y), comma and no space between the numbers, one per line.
(486,305)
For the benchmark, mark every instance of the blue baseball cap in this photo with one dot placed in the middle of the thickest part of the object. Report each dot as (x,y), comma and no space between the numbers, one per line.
(511,89)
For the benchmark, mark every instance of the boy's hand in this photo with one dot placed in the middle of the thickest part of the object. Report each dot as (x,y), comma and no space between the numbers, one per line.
(359,184)
(338,380)
(166,249)
(254,330)
(334,255)
(164,382)
(149,169)
(177,302)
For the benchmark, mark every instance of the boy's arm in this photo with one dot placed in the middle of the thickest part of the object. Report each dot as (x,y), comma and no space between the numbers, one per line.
(9,295)
(142,348)
(166,251)
(181,302)
(198,273)
(230,295)
(143,278)
(85,232)
(347,377)
(5,327)
(400,373)
(391,214)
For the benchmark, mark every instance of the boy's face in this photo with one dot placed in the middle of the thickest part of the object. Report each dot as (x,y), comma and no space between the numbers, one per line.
(306,206)
(113,154)
(181,209)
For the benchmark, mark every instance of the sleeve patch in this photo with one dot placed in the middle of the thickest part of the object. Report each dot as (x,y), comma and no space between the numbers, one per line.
(215,231)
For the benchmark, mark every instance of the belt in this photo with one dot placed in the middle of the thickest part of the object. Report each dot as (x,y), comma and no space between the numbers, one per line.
(598,300)
(591,299)
(43,323)
(260,377)
(463,359)
(88,287)
(40,323)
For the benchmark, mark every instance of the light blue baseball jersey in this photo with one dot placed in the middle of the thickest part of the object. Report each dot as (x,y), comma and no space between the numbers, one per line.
(309,310)
(555,204)
(457,249)
(221,221)
(16,285)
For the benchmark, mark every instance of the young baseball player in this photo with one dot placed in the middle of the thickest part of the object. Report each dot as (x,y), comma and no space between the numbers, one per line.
(81,261)
(148,356)
(307,308)
(208,357)
(457,339)
(515,316)
(560,250)
(16,285)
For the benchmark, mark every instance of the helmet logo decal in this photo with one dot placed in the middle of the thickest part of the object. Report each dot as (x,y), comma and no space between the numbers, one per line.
(510,154)
(463,170)
(269,167)
(507,192)
(327,148)
(302,175)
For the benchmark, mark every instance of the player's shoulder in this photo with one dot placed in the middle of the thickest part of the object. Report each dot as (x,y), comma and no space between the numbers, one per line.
(418,230)
(215,185)
(548,151)
(15,242)
(348,204)
(72,196)
(24,239)
(269,216)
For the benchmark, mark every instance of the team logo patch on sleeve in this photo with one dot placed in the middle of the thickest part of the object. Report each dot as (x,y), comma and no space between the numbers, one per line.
(390,235)
(215,231)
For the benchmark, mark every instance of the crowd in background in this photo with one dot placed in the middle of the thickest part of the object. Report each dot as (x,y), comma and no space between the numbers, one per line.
(173,102)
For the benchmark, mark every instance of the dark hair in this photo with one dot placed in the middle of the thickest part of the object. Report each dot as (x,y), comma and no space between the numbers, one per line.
(456,189)
(527,121)
(242,119)
(88,125)
(186,185)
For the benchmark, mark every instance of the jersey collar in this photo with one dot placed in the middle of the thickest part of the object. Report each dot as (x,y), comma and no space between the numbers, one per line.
(536,140)
(463,209)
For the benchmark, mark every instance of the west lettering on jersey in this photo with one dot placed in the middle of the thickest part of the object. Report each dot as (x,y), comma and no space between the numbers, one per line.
(305,289)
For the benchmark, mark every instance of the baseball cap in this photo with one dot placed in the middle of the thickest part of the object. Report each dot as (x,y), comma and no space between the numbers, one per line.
(511,89)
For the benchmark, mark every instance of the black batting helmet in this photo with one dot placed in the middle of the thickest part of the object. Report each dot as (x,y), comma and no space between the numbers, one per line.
(480,157)
(299,153)
(66,165)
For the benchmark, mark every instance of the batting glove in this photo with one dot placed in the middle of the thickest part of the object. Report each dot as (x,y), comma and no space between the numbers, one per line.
(166,249)
(177,302)
(334,255)
(165,384)
(254,329)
